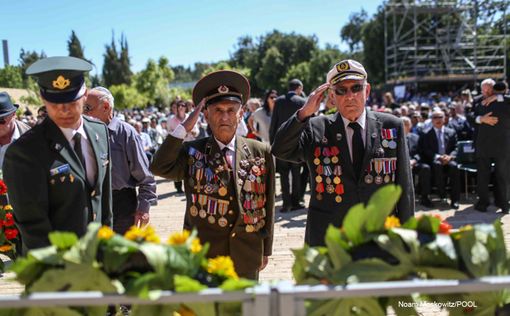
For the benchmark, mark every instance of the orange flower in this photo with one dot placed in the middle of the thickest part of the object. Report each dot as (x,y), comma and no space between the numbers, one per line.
(391,222)
(5,248)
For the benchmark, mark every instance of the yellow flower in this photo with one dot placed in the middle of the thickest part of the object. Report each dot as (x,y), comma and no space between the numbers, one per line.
(179,238)
(152,238)
(466,228)
(184,311)
(105,233)
(196,247)
(134,233)
(8,207)
(223,266)
(5,248)
(391,222)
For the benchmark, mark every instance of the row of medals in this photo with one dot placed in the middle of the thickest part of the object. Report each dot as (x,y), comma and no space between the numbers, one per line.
(251,173)
(325,168)
(379,165)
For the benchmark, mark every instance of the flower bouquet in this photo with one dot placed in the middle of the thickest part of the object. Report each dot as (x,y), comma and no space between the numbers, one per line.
(134,264)
(8,231)
(372,246)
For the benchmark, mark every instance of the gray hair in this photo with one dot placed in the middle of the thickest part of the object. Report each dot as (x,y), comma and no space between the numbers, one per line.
(105,94)
(407,120)
(489,82)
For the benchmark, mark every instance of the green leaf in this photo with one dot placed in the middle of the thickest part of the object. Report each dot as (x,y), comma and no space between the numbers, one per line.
(156,256)
(51,311)
(63,240)
(394,245)
(381,205)
(27,269)
(411,223)
(184,283)
(339,257)
(327,307)
(237,285)
(144,310)
(85,250)
(410,239)
(354,224)
(47,255)
(371,270)
(399,309)
(116,251)
(475,256)
(440,252)
(428,224)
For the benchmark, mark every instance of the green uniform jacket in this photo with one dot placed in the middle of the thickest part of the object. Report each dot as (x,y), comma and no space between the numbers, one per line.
(316,141)
(47,185)
(200,159)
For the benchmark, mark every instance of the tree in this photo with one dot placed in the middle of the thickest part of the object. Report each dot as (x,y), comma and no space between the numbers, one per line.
(27,58)
(373,47)
(224,65)
(124,60)
(153,82)
(74,46)
(352,31)
(10,77)
(127,97)
(117,66)
(272,70)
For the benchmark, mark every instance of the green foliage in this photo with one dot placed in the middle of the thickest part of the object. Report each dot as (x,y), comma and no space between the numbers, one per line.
(127,97)
(352,31)
(74,46)
(11,77)
(27,58)
(153,82)
(117,65)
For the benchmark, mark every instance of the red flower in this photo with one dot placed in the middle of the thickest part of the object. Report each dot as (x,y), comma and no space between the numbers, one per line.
(3,187)
(11,233)
(444,228)
(1,223)
(9,220)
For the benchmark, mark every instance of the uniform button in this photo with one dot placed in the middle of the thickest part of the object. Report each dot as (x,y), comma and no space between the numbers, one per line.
(230,212)
(231,198)
(230,225)
(93,193)
(233,235)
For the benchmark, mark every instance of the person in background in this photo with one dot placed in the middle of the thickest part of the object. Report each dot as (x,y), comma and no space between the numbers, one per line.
(260,120)
(147,144)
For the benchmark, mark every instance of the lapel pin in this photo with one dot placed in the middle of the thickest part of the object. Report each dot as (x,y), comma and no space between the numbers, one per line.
(58,146)
(339,136)
(374,135)
(62,178)
(97,137)
(71,178)
(324,140)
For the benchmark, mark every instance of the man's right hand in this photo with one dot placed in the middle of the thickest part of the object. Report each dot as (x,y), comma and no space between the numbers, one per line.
(489,119)
(313,102)
(192,119)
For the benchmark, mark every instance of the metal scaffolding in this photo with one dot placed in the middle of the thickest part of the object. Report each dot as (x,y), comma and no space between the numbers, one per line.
(444,41)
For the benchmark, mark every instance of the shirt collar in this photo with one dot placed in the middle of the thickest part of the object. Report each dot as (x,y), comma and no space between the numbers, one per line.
(439,129)
(16,134)
(114,123)
(231,146)
(362,119)
(69,132)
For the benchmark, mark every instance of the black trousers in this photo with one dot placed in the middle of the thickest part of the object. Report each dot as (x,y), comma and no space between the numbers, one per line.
(452,173)
(423,172)
(285,168)
(124,209)
(483,177)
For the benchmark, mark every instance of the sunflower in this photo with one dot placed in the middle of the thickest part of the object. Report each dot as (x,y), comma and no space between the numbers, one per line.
(391,222)
(196,247)
(223,266)
(179,238)
(105,233)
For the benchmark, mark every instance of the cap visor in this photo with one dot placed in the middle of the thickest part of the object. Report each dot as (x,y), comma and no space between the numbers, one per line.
(64,97)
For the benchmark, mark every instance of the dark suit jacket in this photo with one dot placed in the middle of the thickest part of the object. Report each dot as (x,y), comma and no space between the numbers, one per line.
(429,145)
(246,249)
(412,146)
(285,106)
(47,184)
(494,141)
(297,141)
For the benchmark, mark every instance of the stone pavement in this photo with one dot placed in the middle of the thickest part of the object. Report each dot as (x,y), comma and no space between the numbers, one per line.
(167,217)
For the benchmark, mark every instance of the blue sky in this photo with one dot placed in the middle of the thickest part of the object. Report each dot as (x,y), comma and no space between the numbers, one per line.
(185,31)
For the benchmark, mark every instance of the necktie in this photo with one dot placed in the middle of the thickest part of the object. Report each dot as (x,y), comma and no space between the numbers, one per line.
(358,149)
(440,141)
(228,157)
(78,151)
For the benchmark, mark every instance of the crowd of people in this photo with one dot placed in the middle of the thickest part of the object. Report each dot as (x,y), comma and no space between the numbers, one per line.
(222,149)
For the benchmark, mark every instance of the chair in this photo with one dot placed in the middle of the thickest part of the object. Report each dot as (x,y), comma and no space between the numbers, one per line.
(466,160)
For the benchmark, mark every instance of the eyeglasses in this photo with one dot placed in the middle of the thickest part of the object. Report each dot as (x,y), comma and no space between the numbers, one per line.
(354,89)
(438,117)
(87,108)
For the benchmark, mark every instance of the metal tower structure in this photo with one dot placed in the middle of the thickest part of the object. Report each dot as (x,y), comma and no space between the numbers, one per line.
(445,40)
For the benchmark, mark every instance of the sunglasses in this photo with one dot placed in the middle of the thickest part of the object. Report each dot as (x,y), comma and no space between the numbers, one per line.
(438,117)
(354,89)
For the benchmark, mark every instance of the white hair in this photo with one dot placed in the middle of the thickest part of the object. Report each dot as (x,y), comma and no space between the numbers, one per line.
(105,94)
(489,82)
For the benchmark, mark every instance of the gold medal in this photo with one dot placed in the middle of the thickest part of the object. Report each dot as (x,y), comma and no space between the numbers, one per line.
(318,179)
(328,180)
(193,210)
(316,161)
(334,159)
(71,178)
(330,188)
(250,228)
(338,199)
(222,191)
(222,221)
(387,178)
(319,196)
(211,219)
(62,178)
(337,180)
(369,179)
(202,213)
(378,179)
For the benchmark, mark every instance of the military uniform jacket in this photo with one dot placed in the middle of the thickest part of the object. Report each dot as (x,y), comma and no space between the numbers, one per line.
(494,141)
(234,213)
(322,144)
(47,184)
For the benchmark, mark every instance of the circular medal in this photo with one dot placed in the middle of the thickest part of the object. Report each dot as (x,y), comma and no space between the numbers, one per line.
(191,182)
(334,159)
(385,143)
(240,181)
(338,199)
(222,221)
(392,144)
(217,155)
(387,178)
(211,219)
(222,191)
(316,161)
(369,179)
(208,188)
(318,179)
(330,188)
(252,178)
(327,160)
(337,180)
(328,180)
(319,196)
(193,210)
(255,170)
(202,213)
(199,164)
(378,180)
(250,228)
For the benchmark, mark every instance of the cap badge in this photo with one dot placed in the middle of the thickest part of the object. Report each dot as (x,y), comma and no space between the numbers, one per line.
(223,89)
(343,66)
(61,83)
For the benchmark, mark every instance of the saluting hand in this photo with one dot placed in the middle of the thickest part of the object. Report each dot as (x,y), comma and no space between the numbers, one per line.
(192,119)
(313,102)
(489,119)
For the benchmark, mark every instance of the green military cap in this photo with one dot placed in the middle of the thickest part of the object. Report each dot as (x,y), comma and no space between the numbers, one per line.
(222,85)
(60,79)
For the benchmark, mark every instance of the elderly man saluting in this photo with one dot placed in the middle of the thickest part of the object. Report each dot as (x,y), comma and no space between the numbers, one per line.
(229,180)
(350,154)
